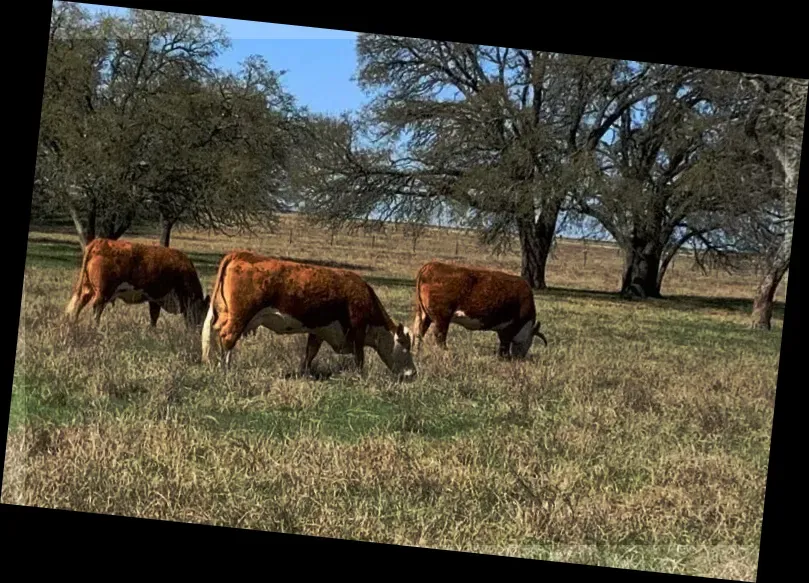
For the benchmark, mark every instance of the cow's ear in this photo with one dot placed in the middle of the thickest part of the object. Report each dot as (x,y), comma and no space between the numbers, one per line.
(404,337)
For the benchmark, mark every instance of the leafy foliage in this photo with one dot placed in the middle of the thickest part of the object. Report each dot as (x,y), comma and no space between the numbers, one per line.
(138,125)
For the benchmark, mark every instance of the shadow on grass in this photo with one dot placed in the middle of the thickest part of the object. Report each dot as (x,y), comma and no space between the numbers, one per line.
(44,251)
(735,305)
(686,303)
(53,253)
(33,403)
(347,415)
(570,292)
(710,333)
(319,373)
(39,239)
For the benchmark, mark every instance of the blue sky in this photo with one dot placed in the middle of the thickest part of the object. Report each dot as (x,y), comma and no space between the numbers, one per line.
(318,73)
(319,62)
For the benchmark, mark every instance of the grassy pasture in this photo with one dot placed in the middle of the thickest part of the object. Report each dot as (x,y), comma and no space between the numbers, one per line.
(638,438)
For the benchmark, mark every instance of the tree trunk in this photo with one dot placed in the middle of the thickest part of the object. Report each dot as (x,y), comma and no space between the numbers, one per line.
(788,112)
(534,259)
(763,304)
(641,269)
(120,229)
(765,295)
(535,245)
(774,272)
(115,226)
(664,264)
(165,233)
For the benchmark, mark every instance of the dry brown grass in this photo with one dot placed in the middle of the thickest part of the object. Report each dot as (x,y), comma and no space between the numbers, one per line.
(639,438)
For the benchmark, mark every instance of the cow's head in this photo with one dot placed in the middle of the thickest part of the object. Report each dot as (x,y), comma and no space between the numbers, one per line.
(197,310)
(401,358)
(525,338)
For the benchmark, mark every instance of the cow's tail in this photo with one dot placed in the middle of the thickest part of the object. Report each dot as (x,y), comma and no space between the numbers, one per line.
(73,304)
(419,302)
(420,310)
(208,335)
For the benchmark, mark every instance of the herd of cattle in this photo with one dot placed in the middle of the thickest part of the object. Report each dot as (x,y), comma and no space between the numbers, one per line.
(330,305)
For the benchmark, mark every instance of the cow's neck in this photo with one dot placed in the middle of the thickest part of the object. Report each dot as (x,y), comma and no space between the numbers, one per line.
(382,339)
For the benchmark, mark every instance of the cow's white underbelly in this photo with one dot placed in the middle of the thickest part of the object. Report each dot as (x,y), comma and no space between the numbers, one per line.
(129,294)
(462,319)
(281,323)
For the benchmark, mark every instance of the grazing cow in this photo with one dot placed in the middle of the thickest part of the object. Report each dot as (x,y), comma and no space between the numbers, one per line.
(138,273)
(477,299)
(330,305)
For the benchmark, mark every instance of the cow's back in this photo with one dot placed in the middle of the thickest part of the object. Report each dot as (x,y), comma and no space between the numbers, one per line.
(315,296)
(155,264)
(154,269)
(477,292)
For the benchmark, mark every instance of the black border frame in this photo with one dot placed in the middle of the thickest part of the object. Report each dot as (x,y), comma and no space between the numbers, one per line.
(764,43)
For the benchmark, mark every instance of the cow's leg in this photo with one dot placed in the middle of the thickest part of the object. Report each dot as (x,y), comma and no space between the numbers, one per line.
(77,303)
(104,292)
(154,313)
(227,342)
(210,339)
(505,337)
(313,344)
(186,310)
(359,349)
(98,308)
(229,334)
(441,330)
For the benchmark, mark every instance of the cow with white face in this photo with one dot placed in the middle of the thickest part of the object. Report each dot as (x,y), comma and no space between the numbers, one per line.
(476,299)
(330,305)
(138,273)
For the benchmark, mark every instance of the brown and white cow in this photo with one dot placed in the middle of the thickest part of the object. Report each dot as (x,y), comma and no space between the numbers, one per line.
(477,299)
(330,305)
(137,273)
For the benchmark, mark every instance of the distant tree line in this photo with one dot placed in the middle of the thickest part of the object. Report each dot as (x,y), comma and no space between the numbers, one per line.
(138,126)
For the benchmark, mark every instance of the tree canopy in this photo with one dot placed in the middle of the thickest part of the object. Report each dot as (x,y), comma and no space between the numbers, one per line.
(138,125)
